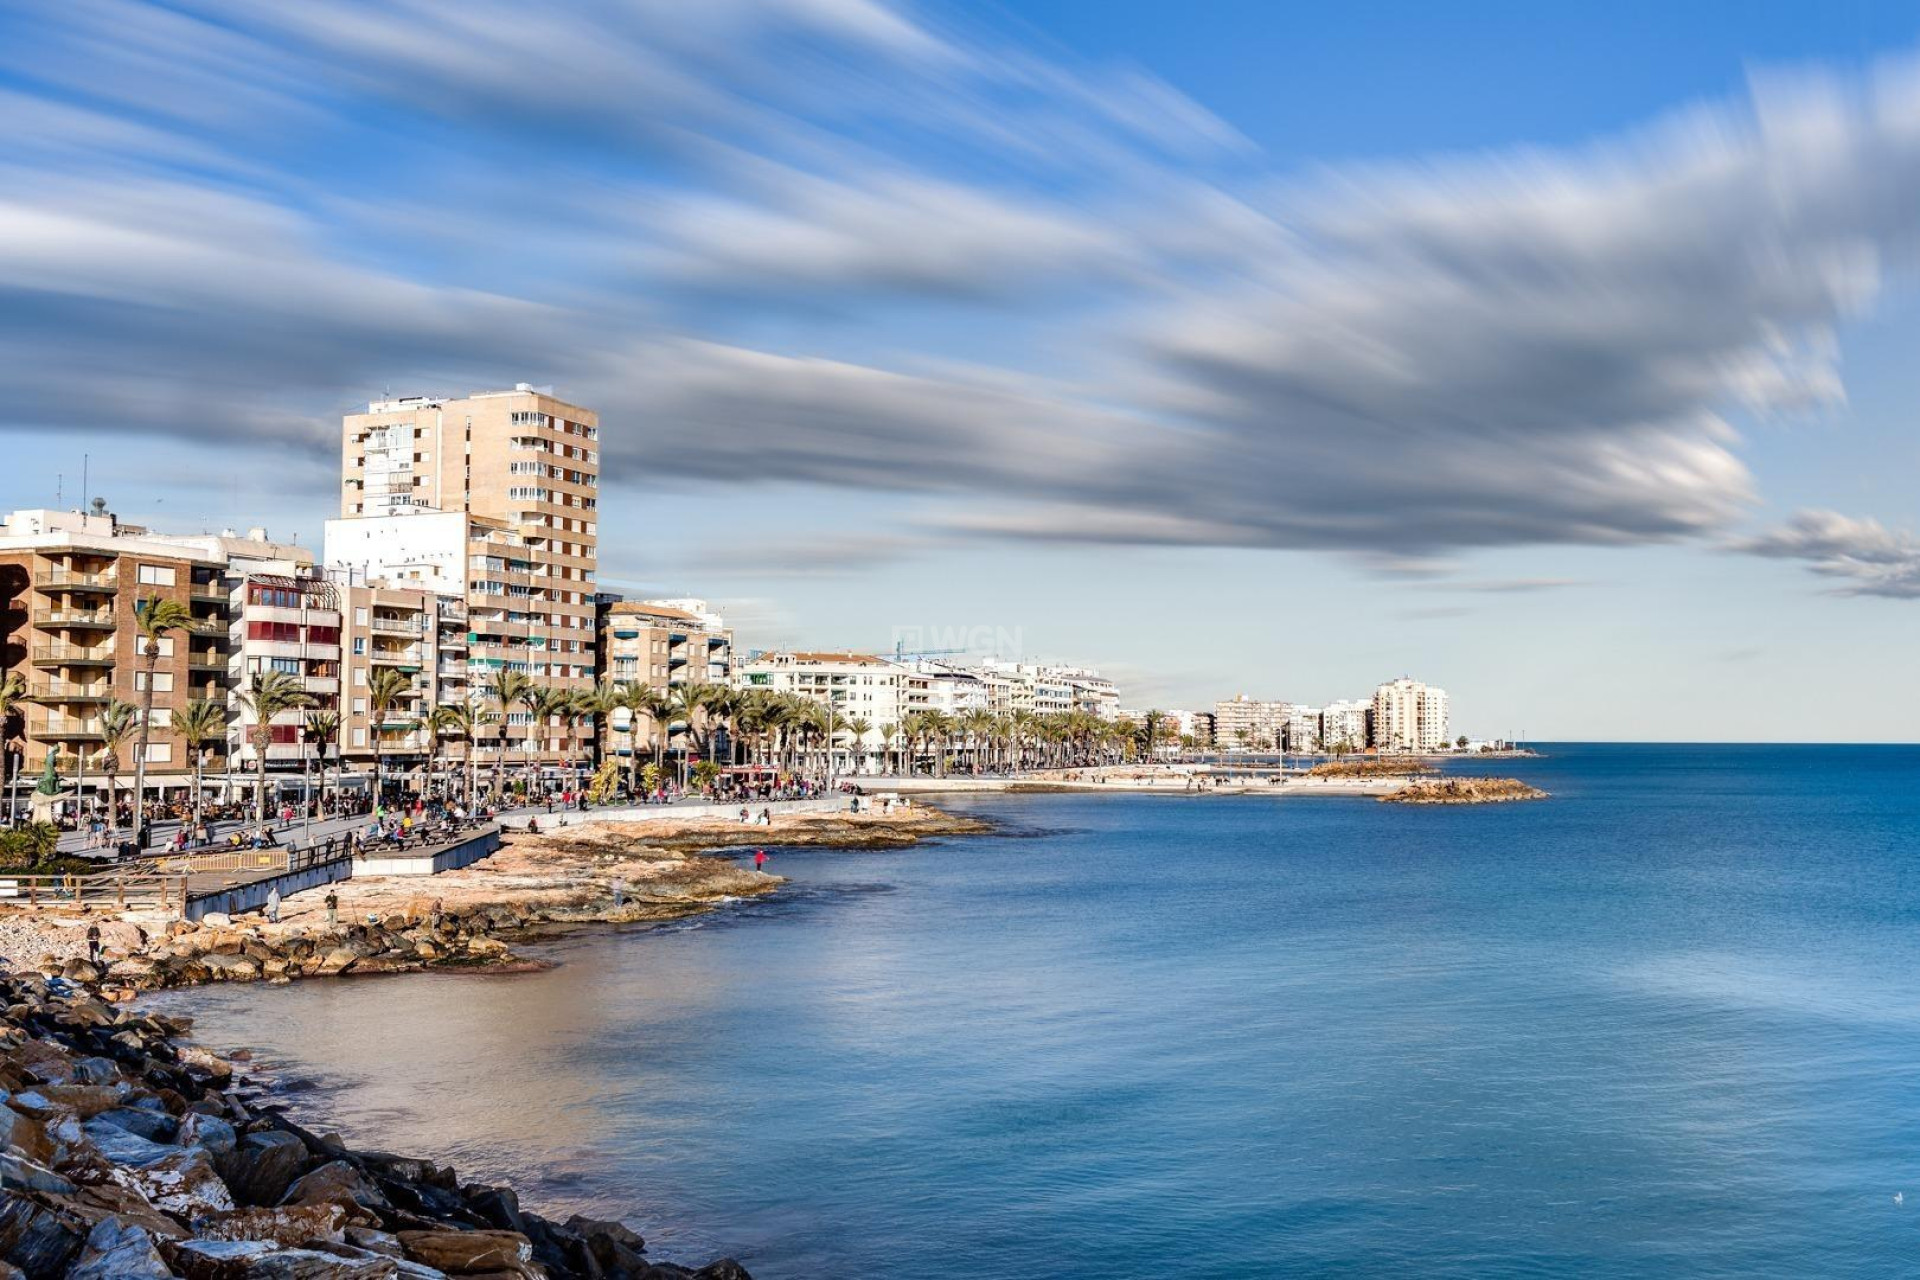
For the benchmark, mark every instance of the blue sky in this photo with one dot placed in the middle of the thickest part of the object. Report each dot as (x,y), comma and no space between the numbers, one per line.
(1559,355)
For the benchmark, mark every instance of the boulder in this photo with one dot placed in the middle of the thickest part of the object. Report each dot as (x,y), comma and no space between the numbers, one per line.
(338,1183)
(119,1251)
(289,1226)
(264,1165)
(39,1240)
(260,1260)
(113,1200)
(184,1184)
(722,1269)
(234,967)
(216,920)
(17,1173)
(78,970)
(99,1070)
(84,1100)
(338,960)
(375,1241)
(499,1206)
(26,1135)
(201,1059)
(155,1126)
(123,1146)
(122,935)
(211,1132)
(468,1253)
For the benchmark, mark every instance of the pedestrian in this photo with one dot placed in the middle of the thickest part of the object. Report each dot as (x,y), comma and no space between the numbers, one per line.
(759,859)
(619,893)
(93,943)
(333,908)
(273,906)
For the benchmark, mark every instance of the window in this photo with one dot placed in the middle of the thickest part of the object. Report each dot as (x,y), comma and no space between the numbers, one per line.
(289,666)
(157,752)
(166,646)
(359,737)
(156,575)
(359,706)
(360,617)
(162,681)
(162,718)
(360,677)
(359,646)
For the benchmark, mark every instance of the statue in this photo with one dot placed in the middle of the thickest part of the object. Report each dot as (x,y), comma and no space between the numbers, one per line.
(49,778)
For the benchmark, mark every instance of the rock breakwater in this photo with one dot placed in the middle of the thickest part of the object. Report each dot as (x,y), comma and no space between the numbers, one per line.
(1464,791)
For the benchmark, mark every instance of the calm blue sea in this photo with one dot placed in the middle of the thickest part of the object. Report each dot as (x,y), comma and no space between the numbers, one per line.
(1665,1024)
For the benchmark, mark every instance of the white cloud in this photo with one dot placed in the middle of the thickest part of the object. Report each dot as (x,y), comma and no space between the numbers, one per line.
(1863,557)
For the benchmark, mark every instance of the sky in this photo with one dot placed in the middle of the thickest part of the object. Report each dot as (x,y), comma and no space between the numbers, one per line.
(1557,355)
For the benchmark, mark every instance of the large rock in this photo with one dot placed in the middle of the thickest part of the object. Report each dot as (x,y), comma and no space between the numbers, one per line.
(289,1226)
(124,1147)
(469,1253)
(184,1184)
(264,1165)
(259,1260)
(84,1100)
(17,1173)
(119,1251)
(41,1241)
(211,1132)
(232,966)
(26,1135)
(339,1183)
(122,935)
(202,1059)
(338,960)
(154,1126)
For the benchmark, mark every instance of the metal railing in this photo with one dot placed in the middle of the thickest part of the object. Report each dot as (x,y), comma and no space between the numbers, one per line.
(74,618)
(103,655)
(64,691)
(72,578)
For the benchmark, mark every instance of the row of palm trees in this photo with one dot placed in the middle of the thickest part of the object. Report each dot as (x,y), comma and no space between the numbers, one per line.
(772,728)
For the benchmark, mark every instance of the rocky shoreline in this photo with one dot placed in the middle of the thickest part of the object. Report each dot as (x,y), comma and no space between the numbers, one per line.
(132,1153)
(1464,791)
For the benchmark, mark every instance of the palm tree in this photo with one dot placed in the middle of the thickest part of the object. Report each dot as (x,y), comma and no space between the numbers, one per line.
(1151,723)
(594,706)
(886,746)
(544,703)
(323,727)
(506,688)
(638,700)
(118,722)
(13,693)
(387,689)
(443,721)
(156,617)
(268,695)
(462,720)
(979,726)
(198,723)
(859,727)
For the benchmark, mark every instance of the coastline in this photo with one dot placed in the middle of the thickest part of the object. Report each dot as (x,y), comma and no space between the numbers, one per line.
(133,1151)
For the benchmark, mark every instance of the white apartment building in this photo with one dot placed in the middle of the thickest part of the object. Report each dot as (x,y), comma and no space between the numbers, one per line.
(1249,723)
(856,685)
(1343,725)
(1409,716)
(1302,728)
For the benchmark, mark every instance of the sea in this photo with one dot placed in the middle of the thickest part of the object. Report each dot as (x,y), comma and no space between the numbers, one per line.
(1665,1023)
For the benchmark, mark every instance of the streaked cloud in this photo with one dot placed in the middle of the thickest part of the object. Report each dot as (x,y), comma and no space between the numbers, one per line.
(854,244)
(1862,557)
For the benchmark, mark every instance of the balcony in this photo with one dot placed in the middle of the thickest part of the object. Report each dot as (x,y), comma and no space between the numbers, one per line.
(68,691)
(96,619)
(404,659)
(209,591)
(72,655)
(64,729)
(209,626)
(396,626)
(73,580)
(207,660)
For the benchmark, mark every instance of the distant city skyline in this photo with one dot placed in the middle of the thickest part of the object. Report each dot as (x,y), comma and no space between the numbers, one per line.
(1262,351)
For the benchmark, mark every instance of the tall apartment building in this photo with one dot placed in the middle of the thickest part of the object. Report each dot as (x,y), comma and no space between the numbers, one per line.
(492,498)
(1301,728)
(286,623)
(1249,722)
(1343,725)
(664,645)
(1409,716)
(70,583)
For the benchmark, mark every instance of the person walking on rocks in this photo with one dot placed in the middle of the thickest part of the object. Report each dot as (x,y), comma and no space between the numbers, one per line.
(93,943)
(273,906)
(333,908)
(759,859)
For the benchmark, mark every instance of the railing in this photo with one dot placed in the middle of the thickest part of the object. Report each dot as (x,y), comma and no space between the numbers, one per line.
(396,626)
(70,578)
(101,656)
(63,727)
(135,891)
(57,691)
(73,618)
